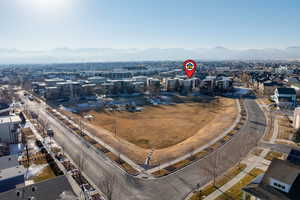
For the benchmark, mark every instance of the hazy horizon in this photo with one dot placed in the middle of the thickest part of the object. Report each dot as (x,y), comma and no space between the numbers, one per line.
(101,30)
(67,55)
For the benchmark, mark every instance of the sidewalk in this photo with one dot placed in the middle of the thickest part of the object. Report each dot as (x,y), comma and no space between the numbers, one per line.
(122,156)
(164,165)
(252,162)
(250,165)
(68,175)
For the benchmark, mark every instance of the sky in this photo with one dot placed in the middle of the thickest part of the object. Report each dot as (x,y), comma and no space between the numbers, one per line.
(142,24)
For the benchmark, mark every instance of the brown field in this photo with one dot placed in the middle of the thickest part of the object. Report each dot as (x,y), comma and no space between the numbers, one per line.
(157,127)
(286,129)
(171,130)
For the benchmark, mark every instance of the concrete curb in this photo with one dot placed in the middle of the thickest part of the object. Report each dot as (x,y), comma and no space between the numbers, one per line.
(237,120)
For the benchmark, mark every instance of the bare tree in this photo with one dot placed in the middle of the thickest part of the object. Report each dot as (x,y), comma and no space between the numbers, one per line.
(210,165)
(107,185)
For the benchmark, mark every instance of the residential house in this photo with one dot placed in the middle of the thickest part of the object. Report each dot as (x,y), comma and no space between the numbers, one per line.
(268,87)
(285,97)
(280,182)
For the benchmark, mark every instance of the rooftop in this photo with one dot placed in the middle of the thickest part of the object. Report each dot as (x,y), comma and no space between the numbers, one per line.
(97,78)
(8,161)
(10,119)
(45,190)
(272,83)
(67,83)
(54,80)
(12,172)
(286,90)
(280,170)
(283,171)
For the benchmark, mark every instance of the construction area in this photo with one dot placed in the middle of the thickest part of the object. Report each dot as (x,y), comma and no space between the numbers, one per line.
(168,131)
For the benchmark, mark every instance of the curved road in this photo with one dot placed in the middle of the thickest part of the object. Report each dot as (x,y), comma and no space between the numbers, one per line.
(174,186)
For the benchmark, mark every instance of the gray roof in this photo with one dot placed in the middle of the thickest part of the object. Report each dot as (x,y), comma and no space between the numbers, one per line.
(283,171)
(46,190)
(286,91)
(9,161)
(12,172)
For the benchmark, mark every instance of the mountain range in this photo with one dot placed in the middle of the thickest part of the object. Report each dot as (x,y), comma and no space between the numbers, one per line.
(60,55)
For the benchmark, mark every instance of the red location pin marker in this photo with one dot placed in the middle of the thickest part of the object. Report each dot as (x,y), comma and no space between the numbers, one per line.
(189,67)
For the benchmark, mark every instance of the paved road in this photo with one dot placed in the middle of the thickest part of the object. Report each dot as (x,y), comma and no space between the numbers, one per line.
(282,148)
(250,166)
(175,186)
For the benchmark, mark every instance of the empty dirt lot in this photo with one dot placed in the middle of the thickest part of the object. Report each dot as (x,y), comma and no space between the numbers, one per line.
(160,126)
(171,130)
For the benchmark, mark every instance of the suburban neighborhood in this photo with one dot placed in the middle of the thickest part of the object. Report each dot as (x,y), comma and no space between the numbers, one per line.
(149,100)
(40,109)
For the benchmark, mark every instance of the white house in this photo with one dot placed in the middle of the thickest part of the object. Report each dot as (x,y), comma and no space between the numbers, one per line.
(285,97)
(280,182)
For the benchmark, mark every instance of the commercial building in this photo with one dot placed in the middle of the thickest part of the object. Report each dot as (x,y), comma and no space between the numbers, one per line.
(9,128)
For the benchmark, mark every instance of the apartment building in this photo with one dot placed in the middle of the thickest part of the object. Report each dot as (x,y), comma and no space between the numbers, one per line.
(11,173)
(9,126)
